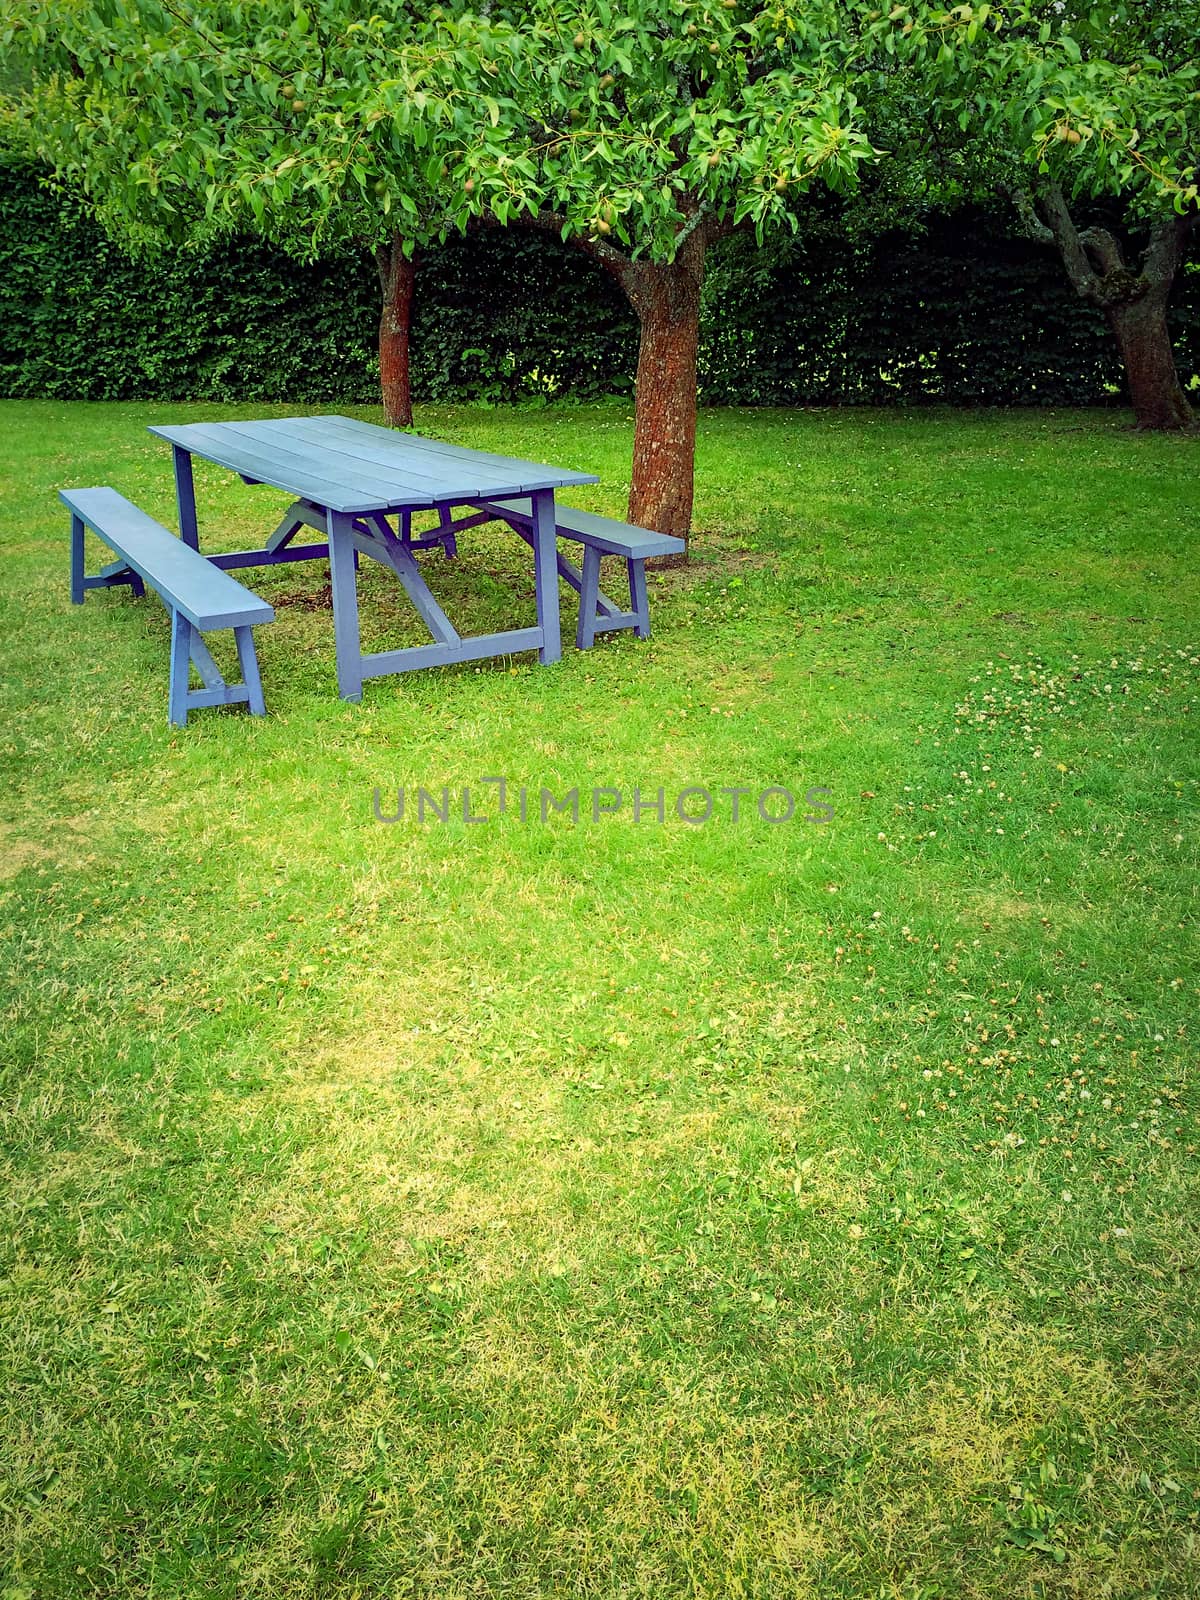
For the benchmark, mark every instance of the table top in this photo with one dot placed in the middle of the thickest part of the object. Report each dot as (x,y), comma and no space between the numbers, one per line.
(352,467)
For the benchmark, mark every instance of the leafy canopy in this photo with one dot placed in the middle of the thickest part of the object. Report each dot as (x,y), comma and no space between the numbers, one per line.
(310,123)
(1102,100)
(315,121)
(323,119)
(631,122)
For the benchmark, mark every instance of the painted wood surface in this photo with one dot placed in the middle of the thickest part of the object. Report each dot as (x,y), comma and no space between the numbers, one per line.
(355,467)
(606,534)
(198,596)
(600,536)
(206,596)
(349,477)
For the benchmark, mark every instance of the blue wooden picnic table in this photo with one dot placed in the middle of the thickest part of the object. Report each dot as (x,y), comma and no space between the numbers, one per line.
(348,479)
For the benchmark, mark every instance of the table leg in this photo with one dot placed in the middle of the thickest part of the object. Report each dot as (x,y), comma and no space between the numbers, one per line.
(76,560)
(185,496)
(545,566)
(340,533)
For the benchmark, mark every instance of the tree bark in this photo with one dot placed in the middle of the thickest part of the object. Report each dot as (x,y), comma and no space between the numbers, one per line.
(1144,341)
(666,298)
(397,275)
(1135,302)
(667,301)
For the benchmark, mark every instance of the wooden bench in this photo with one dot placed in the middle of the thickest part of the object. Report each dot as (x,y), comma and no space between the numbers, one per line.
(198,595)
(599,536)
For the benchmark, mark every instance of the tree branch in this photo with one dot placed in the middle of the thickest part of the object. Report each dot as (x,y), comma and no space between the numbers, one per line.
(1031,224)
(699,216)
(1061,227)
(1105,248)
(609,257)
(1164,252)
(1114,282)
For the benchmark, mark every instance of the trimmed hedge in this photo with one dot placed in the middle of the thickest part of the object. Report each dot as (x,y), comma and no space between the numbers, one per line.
(962,313)
(495,317)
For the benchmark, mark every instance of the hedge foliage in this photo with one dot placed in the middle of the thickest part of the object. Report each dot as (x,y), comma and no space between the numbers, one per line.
(962,313)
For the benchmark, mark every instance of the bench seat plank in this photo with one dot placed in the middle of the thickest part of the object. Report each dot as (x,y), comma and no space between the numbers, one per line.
(197,595)
(600,536)
(606,534)
(192,585)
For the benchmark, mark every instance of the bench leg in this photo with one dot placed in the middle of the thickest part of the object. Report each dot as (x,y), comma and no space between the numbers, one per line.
(76,560)
(115,573)
(210,673)
(181,663)
(589,598)
(639,602)
(187,646)
(442,537)
(250,676)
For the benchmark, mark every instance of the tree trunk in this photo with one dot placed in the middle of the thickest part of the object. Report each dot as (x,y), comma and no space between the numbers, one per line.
(397,275)
(667,302)
(1145,343)
(1135,302)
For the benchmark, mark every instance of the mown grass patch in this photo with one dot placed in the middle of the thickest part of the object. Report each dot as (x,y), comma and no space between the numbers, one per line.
(618,1208)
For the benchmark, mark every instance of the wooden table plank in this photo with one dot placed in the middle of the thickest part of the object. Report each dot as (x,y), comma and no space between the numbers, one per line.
(420,469)
(356,467)
(533,473)
(298,472)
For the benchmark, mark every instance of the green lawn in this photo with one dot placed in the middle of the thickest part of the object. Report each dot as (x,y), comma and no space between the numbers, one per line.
(617,1209)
